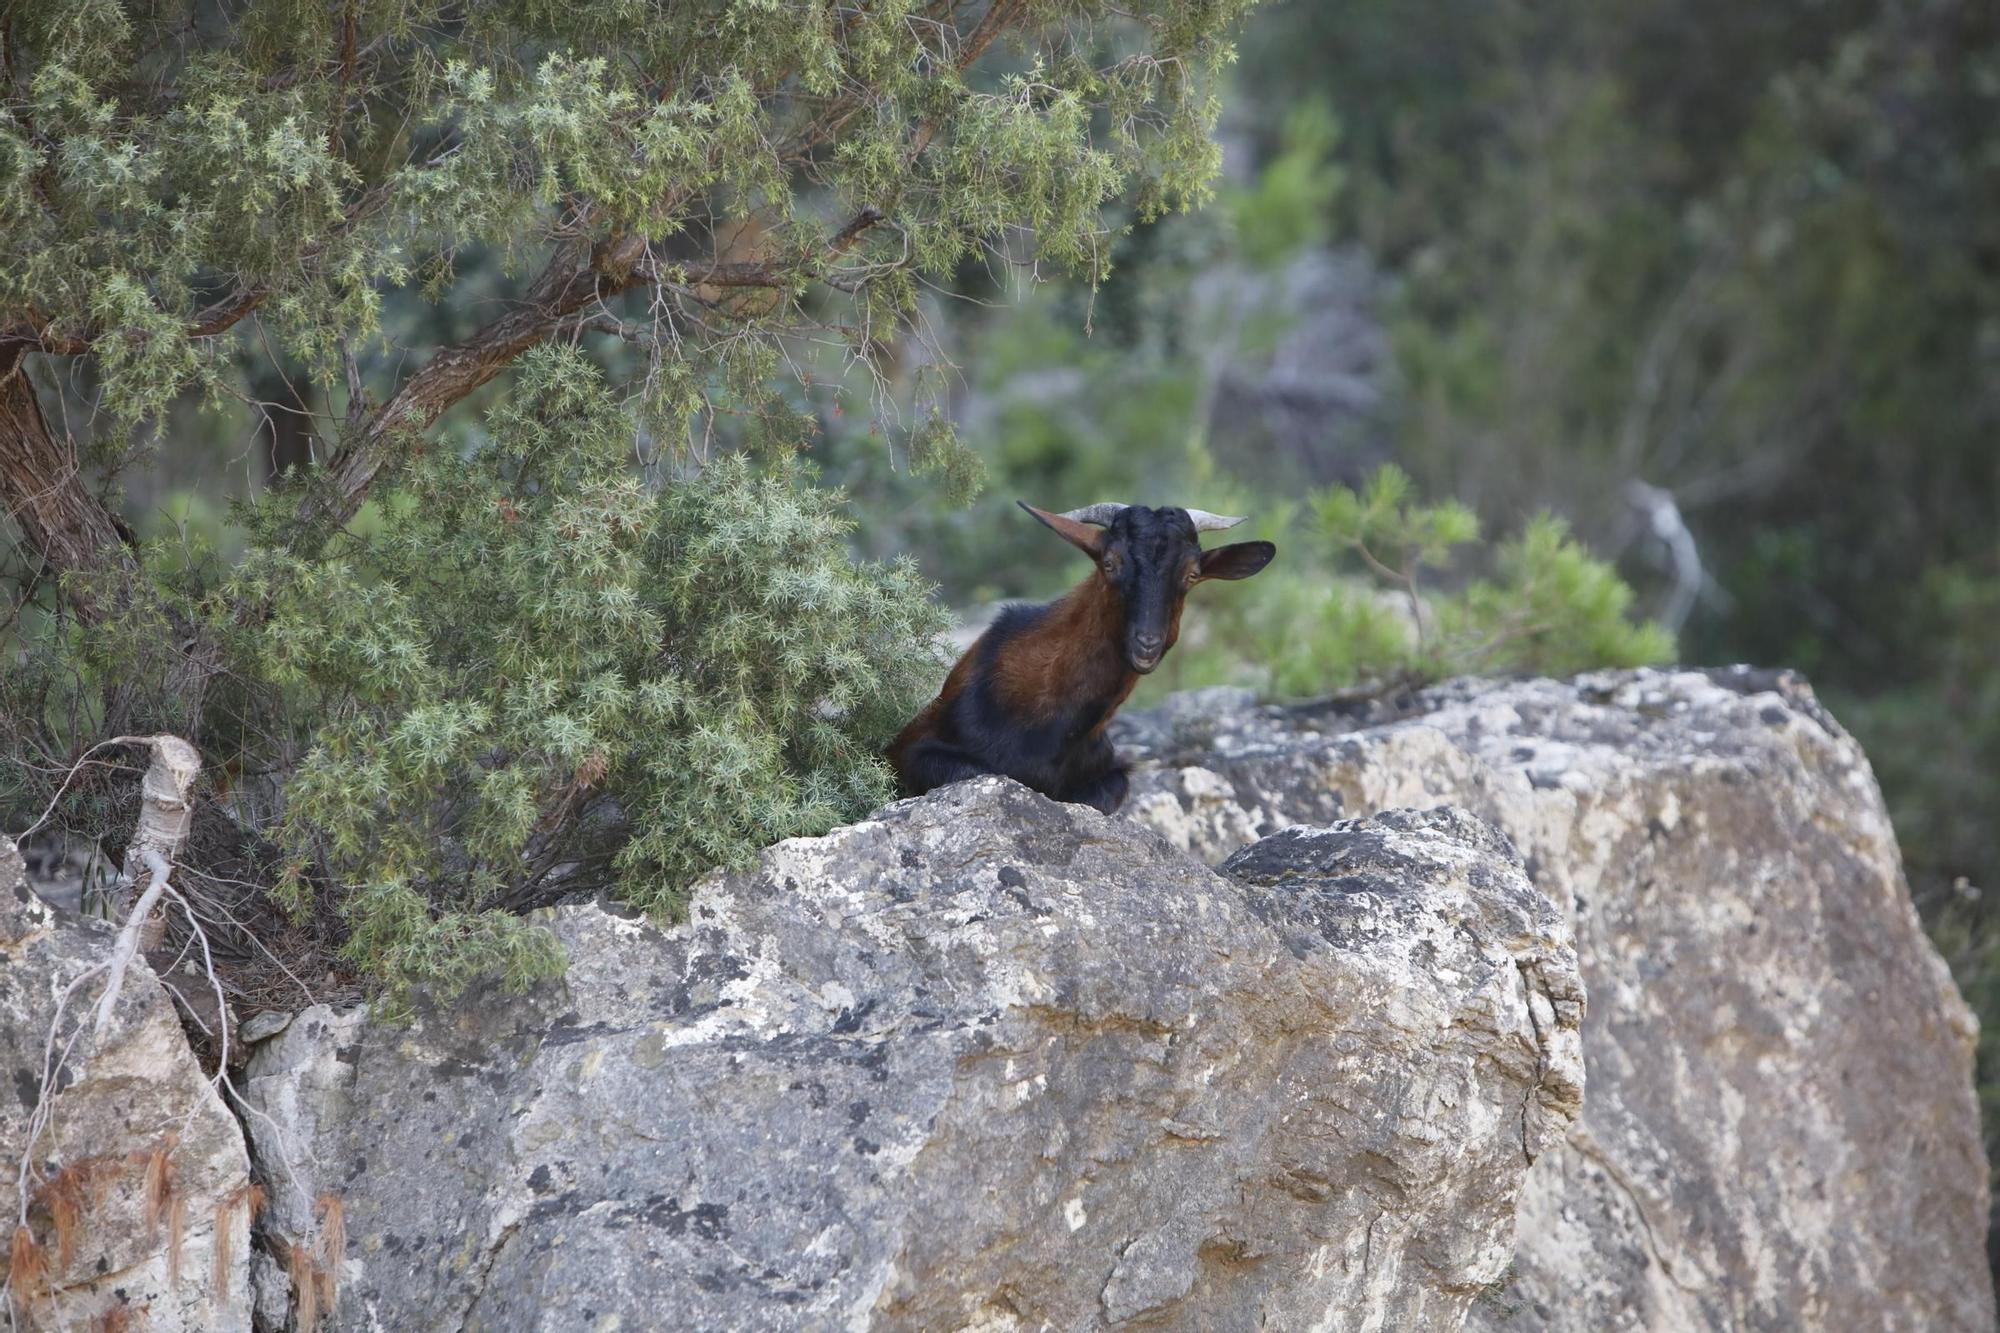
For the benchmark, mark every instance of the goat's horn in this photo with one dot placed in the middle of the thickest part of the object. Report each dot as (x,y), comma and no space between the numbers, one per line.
(1207,522)
(1099,514)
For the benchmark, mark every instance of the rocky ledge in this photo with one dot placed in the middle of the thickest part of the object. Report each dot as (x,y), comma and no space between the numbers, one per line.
(1297,1041)
(1781,1130)
(124,1176)
(981,1061)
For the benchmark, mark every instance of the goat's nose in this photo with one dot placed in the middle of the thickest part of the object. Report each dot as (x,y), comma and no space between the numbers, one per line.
(1149,644)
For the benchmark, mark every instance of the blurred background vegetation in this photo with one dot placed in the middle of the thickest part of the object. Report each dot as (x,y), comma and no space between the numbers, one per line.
(1691,307)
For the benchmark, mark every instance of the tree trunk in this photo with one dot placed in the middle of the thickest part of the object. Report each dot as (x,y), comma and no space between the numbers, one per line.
(81,540)
(45,494)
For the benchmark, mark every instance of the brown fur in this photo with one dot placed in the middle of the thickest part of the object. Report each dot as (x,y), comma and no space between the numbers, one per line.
(1032,699)
(1071,651)
(925,721)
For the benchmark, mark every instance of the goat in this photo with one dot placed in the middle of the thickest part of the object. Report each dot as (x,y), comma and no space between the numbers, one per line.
(1032,697)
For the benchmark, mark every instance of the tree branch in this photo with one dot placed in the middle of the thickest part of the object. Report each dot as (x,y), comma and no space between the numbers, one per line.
(205,323)
(568,286)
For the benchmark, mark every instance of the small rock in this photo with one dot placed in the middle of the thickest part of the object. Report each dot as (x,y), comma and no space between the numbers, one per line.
(262,1026)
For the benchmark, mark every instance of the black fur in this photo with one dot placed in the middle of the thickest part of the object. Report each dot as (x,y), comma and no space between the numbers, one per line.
(1147,558)
(976,735)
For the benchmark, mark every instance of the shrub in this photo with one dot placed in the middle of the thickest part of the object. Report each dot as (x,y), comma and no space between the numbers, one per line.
(1384,590)
(538,675)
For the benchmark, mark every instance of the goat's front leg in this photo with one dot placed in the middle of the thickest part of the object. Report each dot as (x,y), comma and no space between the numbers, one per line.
(1106,791)
(932,763)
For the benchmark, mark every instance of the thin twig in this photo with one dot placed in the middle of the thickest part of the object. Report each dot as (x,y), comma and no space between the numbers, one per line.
(127,945)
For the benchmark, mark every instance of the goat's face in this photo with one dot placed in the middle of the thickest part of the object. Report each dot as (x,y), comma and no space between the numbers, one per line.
(1150,558)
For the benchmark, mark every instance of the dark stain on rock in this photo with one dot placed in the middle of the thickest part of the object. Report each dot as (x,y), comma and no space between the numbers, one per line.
(717,968)
(1015,885)
(849,1020)
(570,1028)
(28,1088)
(709,1221)
(562,1205)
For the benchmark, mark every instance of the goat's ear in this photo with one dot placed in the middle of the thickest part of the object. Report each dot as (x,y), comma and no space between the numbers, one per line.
(1082,536)
(1239,561)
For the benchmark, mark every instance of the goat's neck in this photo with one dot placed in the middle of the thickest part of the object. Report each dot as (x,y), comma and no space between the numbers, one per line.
(1073,657)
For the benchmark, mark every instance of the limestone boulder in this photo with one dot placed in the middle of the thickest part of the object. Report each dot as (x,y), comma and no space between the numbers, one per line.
(1781,1130)
(983,1061)
(133,1174)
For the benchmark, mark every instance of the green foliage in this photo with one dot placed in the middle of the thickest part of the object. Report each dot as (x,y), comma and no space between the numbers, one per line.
(538,675)
(573,637)
(1935,744)
(1686,241)
(160,160)
(1378,592)
(1072,418)
(1288,207)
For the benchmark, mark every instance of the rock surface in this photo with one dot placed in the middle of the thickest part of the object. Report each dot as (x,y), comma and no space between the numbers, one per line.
(1781,1130)
(130,1104)
(982,1061)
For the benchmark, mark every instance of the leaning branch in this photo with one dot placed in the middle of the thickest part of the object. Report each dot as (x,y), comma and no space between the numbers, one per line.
(126,947)
(571,285)
(205,323)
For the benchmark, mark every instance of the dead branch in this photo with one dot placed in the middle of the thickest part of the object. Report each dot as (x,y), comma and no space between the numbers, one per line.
(166,812)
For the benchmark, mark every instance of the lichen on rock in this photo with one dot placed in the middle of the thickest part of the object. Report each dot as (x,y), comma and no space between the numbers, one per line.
(132,1142)
(1781,1130)
(981,1061)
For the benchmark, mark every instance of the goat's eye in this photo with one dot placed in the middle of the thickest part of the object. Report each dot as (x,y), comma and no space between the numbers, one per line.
(1193,573)
(1112,563)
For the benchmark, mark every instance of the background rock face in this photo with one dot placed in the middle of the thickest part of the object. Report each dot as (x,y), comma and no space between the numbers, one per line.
(982,1061)
(120,1100)
(1781,1130)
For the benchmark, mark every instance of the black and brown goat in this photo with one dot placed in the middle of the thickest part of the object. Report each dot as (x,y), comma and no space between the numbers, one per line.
(1032,697)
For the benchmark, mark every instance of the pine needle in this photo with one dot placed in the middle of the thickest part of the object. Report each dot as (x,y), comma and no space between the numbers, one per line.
(27,1267)
(332,1248)
(305,1289)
